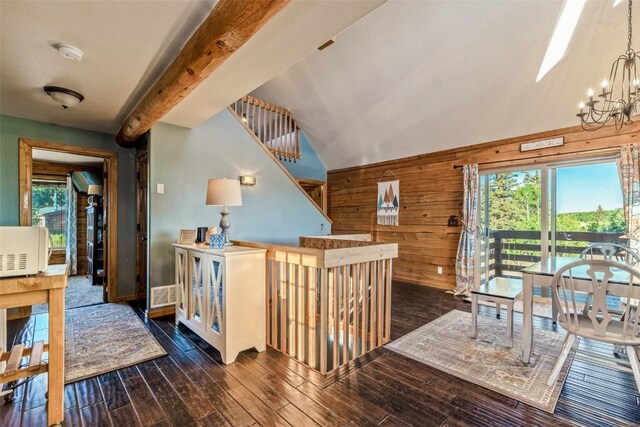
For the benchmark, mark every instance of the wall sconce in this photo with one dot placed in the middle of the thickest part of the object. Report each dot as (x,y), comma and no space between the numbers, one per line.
(248,180)
(453,221)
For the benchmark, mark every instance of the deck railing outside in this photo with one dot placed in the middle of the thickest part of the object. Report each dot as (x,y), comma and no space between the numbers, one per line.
(512,250)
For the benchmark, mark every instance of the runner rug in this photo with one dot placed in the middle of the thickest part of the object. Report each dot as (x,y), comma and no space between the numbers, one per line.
(104,338)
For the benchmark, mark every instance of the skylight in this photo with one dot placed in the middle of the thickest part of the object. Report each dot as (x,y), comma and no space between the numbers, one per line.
(571,11)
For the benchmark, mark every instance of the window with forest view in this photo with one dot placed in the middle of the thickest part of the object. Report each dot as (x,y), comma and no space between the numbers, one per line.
(590,199)
(49,209)
(588,209)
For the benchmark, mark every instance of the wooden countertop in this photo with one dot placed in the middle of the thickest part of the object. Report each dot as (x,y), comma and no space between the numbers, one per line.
(54,277)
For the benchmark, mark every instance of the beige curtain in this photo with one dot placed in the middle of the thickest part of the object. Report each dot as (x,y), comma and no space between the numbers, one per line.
(465,260)
(629,171)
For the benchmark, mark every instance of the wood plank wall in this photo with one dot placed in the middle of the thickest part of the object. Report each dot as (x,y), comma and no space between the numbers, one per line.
(43,169)
(431,190)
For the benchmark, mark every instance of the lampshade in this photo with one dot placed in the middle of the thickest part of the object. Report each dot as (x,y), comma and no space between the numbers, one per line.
(94,190)
(224,192)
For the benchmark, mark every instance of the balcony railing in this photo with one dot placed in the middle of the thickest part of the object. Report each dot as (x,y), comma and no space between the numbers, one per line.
(512,250)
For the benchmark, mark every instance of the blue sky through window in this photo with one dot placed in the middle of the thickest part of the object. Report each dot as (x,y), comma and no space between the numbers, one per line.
(583,188)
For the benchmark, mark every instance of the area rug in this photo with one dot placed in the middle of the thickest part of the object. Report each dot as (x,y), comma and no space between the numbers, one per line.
(445,344)
(79,293)
(103,338)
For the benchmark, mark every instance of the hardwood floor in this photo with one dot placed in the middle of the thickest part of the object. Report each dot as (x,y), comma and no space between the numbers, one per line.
(190,387)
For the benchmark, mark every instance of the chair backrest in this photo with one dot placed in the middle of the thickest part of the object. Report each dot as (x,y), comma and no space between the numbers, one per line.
(601,277)
(611,252)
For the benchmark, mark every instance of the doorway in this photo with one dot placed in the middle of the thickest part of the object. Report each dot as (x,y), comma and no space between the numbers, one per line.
(108,170)
(557,209)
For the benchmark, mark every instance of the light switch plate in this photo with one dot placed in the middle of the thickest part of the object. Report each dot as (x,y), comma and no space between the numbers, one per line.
(160,188)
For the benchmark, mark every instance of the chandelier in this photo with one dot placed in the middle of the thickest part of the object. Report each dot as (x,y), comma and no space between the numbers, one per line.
(624,84)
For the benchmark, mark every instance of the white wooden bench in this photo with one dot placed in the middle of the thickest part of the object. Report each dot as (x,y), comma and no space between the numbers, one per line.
(499,290)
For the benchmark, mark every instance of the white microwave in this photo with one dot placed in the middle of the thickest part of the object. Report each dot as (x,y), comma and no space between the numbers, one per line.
(23,250)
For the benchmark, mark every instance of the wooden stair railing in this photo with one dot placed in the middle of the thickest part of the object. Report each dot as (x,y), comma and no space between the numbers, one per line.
(272,124)
(238,115)
(328,306)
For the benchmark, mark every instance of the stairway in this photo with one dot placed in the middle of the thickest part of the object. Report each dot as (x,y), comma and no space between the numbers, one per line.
(275,129)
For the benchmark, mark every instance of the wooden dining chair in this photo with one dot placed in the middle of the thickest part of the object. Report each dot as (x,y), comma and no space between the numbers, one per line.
(597,324)
(610,252)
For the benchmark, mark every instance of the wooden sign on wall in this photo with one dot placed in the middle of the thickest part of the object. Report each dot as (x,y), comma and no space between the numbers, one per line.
(545,143)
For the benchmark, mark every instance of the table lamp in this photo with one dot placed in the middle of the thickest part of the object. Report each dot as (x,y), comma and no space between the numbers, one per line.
(94,190)
(224,192)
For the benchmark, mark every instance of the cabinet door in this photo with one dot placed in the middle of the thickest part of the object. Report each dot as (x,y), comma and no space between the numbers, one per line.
(196,287)
(182,291)
(215,294)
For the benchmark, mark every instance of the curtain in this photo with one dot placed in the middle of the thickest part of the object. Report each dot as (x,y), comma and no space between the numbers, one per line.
(629,171)
(72,228)
(465,260)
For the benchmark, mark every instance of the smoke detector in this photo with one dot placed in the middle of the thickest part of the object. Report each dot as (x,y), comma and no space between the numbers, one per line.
(69,52)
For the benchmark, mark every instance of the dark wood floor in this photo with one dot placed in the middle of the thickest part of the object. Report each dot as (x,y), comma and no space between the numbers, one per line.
(191,387)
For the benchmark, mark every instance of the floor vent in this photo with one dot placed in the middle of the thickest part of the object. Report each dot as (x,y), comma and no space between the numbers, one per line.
(163,295)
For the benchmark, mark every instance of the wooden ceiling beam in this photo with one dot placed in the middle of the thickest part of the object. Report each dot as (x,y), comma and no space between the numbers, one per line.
(229,25)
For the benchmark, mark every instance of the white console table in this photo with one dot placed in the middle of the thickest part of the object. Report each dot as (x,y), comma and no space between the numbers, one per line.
(221,296)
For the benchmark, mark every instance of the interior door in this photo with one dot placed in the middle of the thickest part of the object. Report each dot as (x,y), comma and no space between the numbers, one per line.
(106,231)
(142,167)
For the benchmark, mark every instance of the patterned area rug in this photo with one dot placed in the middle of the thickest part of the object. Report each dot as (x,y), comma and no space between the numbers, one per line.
(79,293)
(445,345)
(103,338)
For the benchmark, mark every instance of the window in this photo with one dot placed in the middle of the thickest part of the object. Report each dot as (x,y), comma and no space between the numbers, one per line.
(559,209)
(49,209)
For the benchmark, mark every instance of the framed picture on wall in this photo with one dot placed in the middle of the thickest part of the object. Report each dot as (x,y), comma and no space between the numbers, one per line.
(187,237)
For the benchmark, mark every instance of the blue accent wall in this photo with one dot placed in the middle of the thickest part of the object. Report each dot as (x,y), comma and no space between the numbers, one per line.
(309,166)
(273,211)
(13,128)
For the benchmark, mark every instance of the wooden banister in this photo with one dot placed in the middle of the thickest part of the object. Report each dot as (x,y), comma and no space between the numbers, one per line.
(326,307)
(272,124)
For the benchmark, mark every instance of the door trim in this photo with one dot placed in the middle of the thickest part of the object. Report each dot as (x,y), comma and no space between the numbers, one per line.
(25,172)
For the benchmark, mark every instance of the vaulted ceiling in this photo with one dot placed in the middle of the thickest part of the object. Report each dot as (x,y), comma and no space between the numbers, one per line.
(417,77)
(403,78)
(128,44)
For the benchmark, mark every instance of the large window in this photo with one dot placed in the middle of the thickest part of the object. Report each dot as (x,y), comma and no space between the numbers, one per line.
(553,210)
(49,209)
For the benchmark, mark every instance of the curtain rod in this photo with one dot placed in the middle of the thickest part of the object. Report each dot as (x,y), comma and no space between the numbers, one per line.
(595,150)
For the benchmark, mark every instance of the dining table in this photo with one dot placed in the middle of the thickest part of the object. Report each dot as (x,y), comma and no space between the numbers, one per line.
(540,274)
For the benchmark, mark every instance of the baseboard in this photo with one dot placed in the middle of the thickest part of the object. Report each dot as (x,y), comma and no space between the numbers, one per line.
(123,298)
(426,284)
(159,312)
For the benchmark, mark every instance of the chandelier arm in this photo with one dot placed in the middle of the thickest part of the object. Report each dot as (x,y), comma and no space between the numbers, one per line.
(630,26)
(606,108)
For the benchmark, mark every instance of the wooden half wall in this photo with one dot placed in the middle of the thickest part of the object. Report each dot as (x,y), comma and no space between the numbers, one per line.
(431,190)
